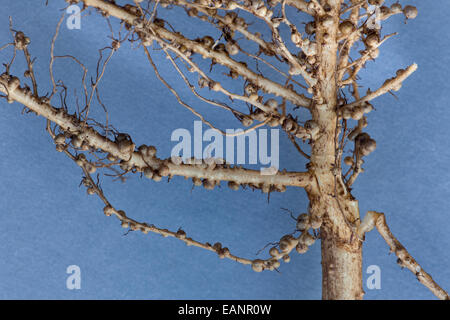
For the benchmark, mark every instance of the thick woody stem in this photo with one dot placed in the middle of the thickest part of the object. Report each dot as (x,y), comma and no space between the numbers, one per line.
(378,220)
(71,124)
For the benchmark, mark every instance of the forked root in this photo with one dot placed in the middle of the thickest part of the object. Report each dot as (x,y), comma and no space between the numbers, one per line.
(378,220)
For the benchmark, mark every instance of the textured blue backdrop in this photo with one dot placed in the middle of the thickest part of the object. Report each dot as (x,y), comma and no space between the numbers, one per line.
(47,223)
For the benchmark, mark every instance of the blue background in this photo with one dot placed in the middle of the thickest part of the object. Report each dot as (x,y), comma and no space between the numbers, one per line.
(48,223)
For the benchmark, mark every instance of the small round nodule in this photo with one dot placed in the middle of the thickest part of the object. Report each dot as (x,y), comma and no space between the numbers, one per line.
(156,177)
(265,188)
(177,160)
(111,157)
(181,234)
(274,122)
(91,168)
(295,37)
(316,222)
(374,53)
(304,217)
(274,252)
(368,147)
(347,113)
(310,27)
(192,12)
(197,181)
(357,113)
(76,142)
(307,239)
(151,151)
(208,41)
(232,48)
(272,104)
(274,263)
(247,121)
(208,184)
(376,2)
(164,171)
(280,188)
